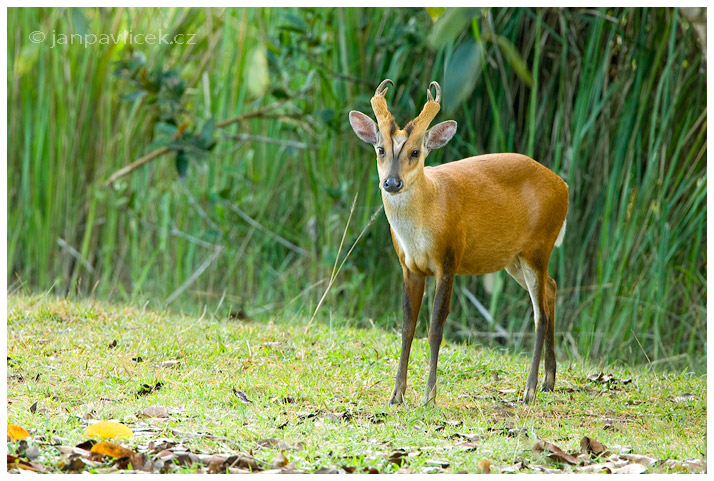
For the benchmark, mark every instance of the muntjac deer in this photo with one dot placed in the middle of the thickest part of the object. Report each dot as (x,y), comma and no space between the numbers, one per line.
(473,216)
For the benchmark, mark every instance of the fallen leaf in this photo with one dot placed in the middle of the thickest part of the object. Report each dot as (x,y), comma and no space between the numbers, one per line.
(639,459)
(16,432)
(108,430)
(26,450)
(597,468)
(691,465)
(513,468)
(593,447)
(112,450)
(137,359)
(241,395)
(148,389)
(467,436)
(76,462)
(137,461)
(87,445)
(154,412)
(607,378)
(441,463)
(630,469)
(683,397)
(280,461)
(554,452)
(221,463)
(33,408)
(70,450)
(467,446)
(399,456)
(272,443)
(484,466)
(170,363)
(15,462)
(326,471)
(113,344)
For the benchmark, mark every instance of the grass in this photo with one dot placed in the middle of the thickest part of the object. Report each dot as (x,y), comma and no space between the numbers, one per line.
(59,359)
(616,105)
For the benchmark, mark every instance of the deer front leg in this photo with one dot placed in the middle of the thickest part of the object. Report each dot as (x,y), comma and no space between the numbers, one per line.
(442,303)
(411,300)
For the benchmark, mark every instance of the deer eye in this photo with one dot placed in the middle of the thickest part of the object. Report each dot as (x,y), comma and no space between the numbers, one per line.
(414,154)
(380,151)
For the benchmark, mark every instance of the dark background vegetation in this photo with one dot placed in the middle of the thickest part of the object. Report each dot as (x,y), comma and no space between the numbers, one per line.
(243,211)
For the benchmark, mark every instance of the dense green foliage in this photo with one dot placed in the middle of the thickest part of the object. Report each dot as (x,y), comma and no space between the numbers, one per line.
(614,101)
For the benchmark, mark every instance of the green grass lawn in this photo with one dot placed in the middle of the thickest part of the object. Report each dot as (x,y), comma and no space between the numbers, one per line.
(229,385)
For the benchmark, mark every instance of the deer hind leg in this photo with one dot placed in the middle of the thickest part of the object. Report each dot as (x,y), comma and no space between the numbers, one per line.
(549,380)
(535,277)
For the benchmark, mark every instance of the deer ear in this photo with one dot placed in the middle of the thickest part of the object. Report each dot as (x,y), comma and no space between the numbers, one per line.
(440,134)
(364,127)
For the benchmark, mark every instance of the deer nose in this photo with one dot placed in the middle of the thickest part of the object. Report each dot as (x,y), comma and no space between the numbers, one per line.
(393,184)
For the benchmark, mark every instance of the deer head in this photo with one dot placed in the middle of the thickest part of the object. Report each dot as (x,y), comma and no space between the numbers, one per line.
(401,152)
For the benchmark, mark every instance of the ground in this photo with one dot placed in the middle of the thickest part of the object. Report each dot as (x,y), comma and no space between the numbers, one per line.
(212,394)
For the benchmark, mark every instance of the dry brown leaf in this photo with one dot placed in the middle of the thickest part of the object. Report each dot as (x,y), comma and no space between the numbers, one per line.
(17,463)
(441,463)
(222,463)
(630,469)
(593,447)
(399,456)
(326,471)
(108,430)
(16,432)
(241,395)
(554,452)
(148,389)
(639,459)
(154,412)
(280,461)
(170,363)
(112,450)
(691,465)
(484,466)
(272,443)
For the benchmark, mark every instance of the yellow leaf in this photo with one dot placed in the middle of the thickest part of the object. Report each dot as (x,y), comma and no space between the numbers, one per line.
(114,450)
(108,430)
(16,432)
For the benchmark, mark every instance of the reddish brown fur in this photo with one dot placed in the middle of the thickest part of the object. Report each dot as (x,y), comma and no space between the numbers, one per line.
(473,216)
(487,210)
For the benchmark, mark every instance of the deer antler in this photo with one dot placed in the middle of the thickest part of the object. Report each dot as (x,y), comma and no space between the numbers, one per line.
(438,93)
(385,120)
(431,108)
(381,89)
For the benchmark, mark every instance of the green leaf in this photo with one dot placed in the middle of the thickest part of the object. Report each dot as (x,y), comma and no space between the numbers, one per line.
(435,12)
(461,73)
(257,74)
(515,60)
(182,164)
(163,128)
(450,25)
(206,136)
